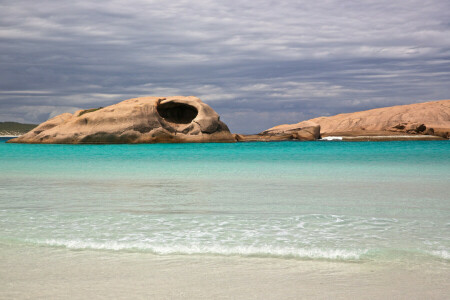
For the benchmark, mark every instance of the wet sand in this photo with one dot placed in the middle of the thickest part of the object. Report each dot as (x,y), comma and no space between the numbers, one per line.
(48,273)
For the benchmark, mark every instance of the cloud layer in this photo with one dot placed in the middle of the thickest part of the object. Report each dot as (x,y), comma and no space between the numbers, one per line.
(258,64)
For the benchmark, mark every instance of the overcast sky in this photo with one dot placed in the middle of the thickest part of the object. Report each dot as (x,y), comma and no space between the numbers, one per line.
(257,63)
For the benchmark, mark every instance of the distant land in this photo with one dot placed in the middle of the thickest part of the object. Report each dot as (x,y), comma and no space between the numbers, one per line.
(174,119)
(14,128)
(179,119)
(427,120)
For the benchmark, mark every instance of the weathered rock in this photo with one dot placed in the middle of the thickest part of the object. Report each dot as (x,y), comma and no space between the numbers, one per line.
(442,132)
(403,119)
(430,120)
(174,119)
(303,131)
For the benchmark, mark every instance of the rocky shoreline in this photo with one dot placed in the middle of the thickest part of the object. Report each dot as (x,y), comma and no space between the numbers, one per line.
(420,121)
(179,119)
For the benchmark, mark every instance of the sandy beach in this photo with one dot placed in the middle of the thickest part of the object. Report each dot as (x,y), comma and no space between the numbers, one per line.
(41,273)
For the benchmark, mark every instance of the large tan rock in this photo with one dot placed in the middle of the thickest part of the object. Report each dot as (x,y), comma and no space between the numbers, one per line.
(428,118)
(432,118)
(174,119)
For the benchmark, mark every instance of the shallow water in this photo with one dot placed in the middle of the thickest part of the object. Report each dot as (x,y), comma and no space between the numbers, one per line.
(383,202)
(30,272)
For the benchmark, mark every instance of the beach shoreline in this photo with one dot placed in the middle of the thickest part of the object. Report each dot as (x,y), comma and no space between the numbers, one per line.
(43,272)
(382,138)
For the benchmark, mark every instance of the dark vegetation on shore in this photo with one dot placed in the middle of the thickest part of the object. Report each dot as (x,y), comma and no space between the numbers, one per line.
(14,128)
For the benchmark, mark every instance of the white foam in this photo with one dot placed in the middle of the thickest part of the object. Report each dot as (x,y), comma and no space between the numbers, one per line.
(331,138)
(441,254)
(312,253)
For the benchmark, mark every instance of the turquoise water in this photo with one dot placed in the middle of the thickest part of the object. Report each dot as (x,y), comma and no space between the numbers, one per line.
(349,201)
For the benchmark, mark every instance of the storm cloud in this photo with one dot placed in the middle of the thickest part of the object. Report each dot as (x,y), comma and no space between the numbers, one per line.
(258,64)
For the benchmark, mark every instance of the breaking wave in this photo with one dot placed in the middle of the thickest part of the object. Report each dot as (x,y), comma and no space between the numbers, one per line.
(441,254)
(256,251)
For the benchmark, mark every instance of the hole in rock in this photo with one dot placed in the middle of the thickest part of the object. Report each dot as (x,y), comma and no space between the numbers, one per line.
(177,112)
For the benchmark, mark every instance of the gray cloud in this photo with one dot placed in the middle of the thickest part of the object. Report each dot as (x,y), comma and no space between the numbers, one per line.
(258,64)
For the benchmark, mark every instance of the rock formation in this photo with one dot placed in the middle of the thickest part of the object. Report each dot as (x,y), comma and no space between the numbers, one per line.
(187,119)
(428,118)
(139,120)
(303,131)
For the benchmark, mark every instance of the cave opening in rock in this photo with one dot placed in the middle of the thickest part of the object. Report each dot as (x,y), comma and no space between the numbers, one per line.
(177,112)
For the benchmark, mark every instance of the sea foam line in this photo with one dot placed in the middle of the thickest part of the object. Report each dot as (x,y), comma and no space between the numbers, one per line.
(441,254)
(265,251)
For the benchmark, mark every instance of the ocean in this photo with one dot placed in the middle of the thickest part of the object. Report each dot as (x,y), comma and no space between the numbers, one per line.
(384,204)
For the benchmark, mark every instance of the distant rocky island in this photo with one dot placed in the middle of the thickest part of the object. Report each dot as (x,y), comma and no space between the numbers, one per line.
(139,120)
(426,121)
(179,119)
(14,128)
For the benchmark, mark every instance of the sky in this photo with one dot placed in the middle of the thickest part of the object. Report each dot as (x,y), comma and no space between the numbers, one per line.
(258,63)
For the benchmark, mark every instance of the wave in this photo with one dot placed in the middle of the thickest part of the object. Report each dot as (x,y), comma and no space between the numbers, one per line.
(331,138)
(256,251)
(441,254)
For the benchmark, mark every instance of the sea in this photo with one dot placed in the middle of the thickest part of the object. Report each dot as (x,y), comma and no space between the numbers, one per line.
(351,203)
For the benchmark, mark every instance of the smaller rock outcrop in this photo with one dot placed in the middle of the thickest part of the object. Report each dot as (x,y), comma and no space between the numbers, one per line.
(174,119)
(303,131)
